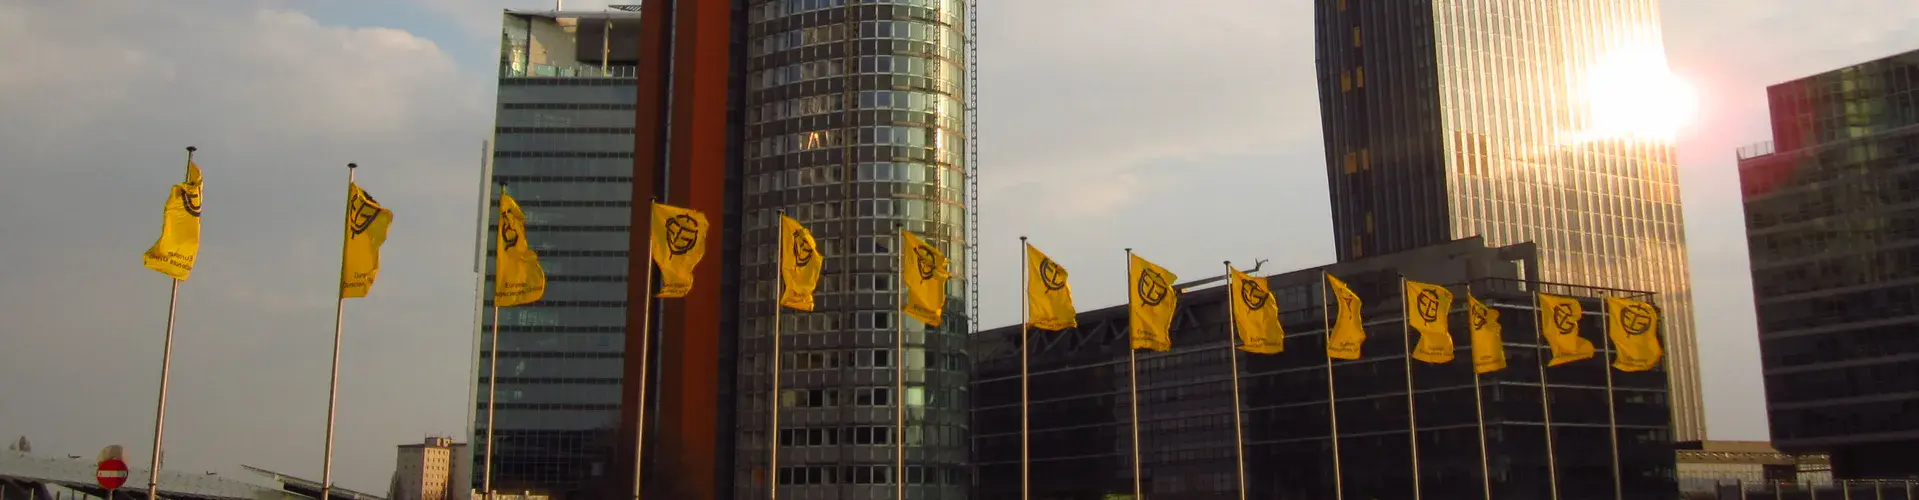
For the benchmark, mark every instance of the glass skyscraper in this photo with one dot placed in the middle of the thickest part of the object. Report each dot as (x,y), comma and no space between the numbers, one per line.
(856,122)
(1445,119)
(1833,230)
(563,145)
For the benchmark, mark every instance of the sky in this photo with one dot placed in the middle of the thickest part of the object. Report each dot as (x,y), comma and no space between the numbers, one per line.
(1104,124)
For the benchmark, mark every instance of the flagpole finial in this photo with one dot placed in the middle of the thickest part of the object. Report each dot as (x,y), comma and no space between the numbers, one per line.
(351,166)
(1129,249)
(1022,238)
(191,149)
(1229,263)
(781,211)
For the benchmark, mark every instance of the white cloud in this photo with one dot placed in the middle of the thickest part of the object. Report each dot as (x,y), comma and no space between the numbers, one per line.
(98,110)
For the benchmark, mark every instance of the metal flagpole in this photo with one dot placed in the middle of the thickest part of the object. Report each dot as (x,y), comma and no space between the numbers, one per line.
(1025,393)
(1332,393)
(1479,404)
(1132,373)
(166,368)
(493,367)
(1412,418)
(899,378)
(646,340)
(1232,354)
(1545,398)
(1612,417)
(773,432)
(339,313)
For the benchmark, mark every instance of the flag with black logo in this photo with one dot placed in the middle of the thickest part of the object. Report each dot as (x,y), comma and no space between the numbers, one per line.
(1255,314)
(1429,311)
(1559,323)
(1633,327)
(518,278)
(923,273)
(1349,329)
(179,242)
(366,227)
(1151,302)
(800,265)
(1049,299)
(1489,348)
(679,242)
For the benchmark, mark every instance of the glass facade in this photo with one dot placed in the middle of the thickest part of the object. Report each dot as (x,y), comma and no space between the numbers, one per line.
(1445,119)
(1081,439)
(1832,224)
(563,143)
(855,122)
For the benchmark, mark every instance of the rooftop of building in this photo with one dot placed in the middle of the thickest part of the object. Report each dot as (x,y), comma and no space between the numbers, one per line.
(77,473)
(309,487)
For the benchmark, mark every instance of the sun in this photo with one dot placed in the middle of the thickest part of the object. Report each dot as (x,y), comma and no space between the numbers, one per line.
(1631,94)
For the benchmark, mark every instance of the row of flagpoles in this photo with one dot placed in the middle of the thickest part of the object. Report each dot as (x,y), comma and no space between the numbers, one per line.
(365,230)
(1254,327)
(678,240)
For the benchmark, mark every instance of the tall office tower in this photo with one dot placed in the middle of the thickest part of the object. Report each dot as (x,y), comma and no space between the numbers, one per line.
(1832,223)
(563,144)
(1514,121)
(857,122)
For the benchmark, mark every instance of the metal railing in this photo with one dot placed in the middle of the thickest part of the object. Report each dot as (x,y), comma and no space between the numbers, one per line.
(550,71)
(1836,489)
(1756,150)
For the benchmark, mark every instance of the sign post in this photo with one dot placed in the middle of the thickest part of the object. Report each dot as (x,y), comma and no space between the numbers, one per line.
(111,474)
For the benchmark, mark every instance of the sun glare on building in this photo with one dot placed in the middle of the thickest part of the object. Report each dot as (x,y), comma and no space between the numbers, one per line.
(1632,94)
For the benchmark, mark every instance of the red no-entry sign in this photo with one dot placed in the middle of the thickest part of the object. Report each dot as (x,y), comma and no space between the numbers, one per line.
(111,474)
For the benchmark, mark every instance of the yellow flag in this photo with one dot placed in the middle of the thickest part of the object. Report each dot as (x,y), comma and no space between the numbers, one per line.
(518,278)
(1049,299)
(1489,349)
(1633,327)
(1349,329)
(679,242)
(1429,310)
(800,265)
(179,242)
(366,225)
(1151,301)
(923,273)
(1255,314)
(1559,323)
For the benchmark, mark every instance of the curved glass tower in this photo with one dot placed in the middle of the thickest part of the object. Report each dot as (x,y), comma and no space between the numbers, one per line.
(856,121)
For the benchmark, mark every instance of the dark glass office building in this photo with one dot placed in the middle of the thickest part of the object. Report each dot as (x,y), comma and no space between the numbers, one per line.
(1081,438)
(1515,122)
(856,122)
(1832,224)
(563,142)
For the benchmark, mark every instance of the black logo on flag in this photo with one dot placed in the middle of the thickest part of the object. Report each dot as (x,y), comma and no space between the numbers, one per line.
(510,233)
(1152,288)
(802,249)
(190,201)
(1637,319)
(682,234)
(927,261)
(1428,304)
(1481,315)
(1254,297)
(1565,318)
(362,212)
(1051,275)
